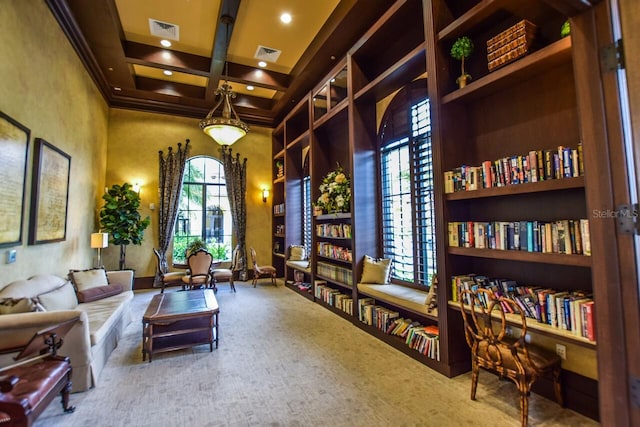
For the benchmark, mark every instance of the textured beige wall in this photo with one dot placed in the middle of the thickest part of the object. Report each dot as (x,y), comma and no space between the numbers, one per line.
(44,86)
(134,141)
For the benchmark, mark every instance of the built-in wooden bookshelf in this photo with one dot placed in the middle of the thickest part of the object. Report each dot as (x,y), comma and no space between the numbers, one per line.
(530,104)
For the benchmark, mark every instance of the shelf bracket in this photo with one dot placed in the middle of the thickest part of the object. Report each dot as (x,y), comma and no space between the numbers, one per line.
(612,56)
(627,219)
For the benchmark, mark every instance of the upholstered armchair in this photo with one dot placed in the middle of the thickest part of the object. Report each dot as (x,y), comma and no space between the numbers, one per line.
(226,274)
(167,278)
(199,269)
(260,271)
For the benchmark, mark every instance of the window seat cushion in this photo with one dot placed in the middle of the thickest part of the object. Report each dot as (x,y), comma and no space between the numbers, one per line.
(401,296)
(299,265)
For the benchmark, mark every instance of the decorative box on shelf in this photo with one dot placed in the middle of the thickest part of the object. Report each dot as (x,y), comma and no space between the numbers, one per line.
(511,44)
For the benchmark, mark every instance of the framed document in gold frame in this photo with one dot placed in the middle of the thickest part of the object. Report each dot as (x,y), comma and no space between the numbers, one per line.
(14,150)
(49,194)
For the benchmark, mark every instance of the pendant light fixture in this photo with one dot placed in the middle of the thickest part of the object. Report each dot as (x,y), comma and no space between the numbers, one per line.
(228,128)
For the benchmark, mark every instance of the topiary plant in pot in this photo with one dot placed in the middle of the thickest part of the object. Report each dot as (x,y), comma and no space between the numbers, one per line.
(120,218)
(462,49)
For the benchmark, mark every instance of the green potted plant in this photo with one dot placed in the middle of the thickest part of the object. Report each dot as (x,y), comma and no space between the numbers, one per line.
(120,218)
(462,49)
(565,29)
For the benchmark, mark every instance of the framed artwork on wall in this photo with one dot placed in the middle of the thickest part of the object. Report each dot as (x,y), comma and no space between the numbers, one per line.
(49,194)
(14,144)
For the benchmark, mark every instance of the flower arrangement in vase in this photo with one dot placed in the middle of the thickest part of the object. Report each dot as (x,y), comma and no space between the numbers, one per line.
(335,192)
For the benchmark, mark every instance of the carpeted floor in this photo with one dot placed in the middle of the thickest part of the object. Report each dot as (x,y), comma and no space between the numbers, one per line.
(285,361)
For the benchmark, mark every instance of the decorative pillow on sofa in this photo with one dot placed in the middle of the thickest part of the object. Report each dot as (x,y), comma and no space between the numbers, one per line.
(297,253)
(19,305)
(87,279)
(62,298)
(375,270)
(99,292)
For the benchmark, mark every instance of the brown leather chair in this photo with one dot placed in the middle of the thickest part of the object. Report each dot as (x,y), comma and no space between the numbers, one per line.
(199,270)
(167,278)
(485,328)
(260,271)
(226,274)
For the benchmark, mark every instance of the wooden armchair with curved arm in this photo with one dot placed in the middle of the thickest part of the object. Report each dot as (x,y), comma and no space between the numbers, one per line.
(485,328)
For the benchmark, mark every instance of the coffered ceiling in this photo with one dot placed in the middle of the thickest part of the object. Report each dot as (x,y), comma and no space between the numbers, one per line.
(119,43)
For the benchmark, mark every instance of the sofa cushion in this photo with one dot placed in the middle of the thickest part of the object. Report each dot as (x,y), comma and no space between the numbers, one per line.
(375,270)
(19,305)
(99,292)
(87,279)
(62,298)
(32,287)
(104,313)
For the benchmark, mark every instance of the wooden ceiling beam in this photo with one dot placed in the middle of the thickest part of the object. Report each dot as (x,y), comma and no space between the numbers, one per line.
(228,8)
(142,54)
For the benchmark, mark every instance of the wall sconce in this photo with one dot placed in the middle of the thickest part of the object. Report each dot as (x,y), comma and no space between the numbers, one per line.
(265,194)
(136,187)
(99,241)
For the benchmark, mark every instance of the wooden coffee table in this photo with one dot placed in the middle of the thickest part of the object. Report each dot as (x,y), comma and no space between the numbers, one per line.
(180,320)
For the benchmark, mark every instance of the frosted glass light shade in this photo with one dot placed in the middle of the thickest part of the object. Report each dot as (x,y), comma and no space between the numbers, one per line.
(225,133)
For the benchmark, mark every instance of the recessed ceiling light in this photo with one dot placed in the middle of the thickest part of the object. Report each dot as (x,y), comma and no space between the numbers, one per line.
(165,43)
(117,88)
(285,18)
(262,64)
(249,87)
(167,73)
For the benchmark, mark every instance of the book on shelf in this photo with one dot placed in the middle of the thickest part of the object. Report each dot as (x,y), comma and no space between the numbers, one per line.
(534,166)
(561,236)
(565,310)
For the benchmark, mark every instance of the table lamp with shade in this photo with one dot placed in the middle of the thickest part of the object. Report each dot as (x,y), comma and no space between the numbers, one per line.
(99,241)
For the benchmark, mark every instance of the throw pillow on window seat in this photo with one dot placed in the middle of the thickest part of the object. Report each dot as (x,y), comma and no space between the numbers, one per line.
(297,253)
(376,270)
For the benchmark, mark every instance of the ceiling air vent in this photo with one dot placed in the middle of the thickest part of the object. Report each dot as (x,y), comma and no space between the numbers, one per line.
(268,54)
(164,30)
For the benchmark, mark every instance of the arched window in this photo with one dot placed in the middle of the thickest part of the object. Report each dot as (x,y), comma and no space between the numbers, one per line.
(406,167)
(204,211)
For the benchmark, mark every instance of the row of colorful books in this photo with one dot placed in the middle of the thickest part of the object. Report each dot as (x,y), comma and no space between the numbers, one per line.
(570,236)
(424,339)
(278,209)
(335,272)
(537,165)
(330,250)
(572,311)
(334,298)
(334,230)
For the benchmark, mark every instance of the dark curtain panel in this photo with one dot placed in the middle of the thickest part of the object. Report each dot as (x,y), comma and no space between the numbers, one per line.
(235,173)
(170,186)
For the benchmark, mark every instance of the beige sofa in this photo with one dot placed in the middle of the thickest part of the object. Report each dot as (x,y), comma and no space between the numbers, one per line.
(91,340)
